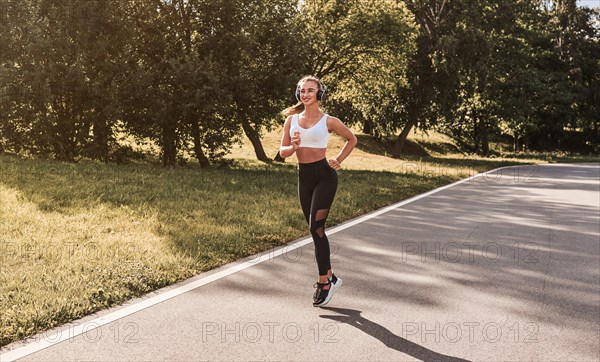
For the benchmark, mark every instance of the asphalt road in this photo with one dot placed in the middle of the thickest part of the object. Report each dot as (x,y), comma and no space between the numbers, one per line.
(504,267)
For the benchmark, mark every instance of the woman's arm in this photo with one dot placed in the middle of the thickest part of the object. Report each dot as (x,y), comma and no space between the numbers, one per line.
(289,145)
(340,128)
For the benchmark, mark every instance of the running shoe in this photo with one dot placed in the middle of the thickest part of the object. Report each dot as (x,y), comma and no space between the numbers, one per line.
(336,282)
(322,296)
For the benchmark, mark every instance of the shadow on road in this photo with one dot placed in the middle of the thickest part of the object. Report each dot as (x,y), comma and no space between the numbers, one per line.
(353,318)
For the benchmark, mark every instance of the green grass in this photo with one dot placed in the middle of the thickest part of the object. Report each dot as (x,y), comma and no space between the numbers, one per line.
(77,238)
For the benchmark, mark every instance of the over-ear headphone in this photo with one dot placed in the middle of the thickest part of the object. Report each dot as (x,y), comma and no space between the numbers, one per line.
(320,94)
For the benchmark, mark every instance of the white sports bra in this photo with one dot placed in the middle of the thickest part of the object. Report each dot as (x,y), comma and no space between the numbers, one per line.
(313,137)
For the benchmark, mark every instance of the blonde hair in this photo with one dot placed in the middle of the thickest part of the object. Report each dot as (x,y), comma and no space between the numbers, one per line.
(299,107)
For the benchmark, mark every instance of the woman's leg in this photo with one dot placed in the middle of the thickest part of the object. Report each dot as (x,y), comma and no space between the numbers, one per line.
(317,185)
(322,199)
(306,190)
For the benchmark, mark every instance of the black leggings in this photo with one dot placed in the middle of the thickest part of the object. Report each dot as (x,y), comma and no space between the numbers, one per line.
(317,184)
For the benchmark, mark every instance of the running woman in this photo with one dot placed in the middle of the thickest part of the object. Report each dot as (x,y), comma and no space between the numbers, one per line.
(306,132)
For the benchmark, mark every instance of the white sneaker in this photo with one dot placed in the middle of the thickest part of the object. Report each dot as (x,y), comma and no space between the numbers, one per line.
(336,282)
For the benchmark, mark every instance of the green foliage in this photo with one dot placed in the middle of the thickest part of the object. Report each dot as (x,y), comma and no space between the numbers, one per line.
(516,78)
(361,50)
(192,75)
(259,60)
(58,76)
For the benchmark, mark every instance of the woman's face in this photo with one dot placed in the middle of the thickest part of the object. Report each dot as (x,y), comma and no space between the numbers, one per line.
(308,91)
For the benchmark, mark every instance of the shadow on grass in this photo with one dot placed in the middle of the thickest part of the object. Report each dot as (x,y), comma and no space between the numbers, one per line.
(440,147)
(411,148)
(431,152)
(368,144)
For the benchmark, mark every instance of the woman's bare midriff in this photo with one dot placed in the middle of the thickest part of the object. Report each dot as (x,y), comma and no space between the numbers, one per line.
(308,155)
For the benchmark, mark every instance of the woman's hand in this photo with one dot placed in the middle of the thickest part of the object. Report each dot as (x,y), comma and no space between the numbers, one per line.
(295,141)
(335,125)
(334,163)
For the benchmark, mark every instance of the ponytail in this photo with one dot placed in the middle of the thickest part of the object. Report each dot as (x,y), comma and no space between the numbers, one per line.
(290,111)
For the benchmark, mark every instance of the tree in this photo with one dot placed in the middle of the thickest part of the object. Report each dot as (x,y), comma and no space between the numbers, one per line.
(433,68)
(61,61)
(361,51)
(577,42)
(174,91)
(510,77)
(47,105)
(147,93)
(257,50)
(101,39)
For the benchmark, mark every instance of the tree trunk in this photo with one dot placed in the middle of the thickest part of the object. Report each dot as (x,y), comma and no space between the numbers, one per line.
(169,146)
(485,142)
(399,143)
(278,158)
(254,137)
(101,133)
(202,159)
(367,127)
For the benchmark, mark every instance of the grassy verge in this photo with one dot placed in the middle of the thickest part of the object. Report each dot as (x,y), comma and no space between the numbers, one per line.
(77,238)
